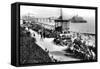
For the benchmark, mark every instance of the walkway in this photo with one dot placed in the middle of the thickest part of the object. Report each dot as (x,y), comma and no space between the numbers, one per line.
(54,50)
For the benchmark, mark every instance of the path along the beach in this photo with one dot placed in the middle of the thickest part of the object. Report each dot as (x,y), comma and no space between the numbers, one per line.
(54,50)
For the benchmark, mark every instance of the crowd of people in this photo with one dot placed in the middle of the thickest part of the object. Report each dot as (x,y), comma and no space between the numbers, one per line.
(79,45)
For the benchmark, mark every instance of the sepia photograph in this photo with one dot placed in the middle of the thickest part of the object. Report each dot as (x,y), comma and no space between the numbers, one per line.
(57,34)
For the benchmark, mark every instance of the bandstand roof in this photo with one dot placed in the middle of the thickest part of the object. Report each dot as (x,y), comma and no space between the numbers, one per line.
(59,20)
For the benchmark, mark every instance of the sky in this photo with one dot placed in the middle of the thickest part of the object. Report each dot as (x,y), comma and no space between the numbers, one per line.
(40,11)
(54,11)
